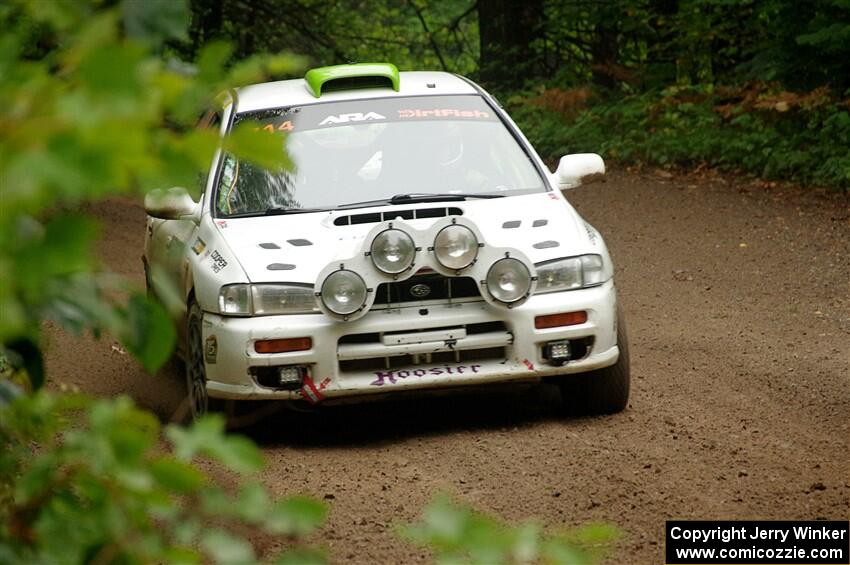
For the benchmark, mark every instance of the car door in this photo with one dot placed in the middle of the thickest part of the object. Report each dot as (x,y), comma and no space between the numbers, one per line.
(171,240)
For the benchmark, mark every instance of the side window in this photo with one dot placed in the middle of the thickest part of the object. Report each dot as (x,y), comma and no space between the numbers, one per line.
(211,119)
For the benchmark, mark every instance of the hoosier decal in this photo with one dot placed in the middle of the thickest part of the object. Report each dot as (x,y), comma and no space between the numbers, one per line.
(392,375)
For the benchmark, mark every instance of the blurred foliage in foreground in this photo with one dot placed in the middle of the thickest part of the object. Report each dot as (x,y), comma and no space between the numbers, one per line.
(89,109)
(99,481)
(457,534)
(90,481)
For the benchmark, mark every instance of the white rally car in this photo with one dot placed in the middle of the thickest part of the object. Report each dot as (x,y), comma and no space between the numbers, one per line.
(418,243)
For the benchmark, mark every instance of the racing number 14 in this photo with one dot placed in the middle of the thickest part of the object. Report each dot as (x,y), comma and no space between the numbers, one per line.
(283,126)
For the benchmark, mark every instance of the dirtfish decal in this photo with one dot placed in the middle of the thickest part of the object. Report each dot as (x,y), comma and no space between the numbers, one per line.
(353,117)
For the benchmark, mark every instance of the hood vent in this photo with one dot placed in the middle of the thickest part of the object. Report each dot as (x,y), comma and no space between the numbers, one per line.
(414,214)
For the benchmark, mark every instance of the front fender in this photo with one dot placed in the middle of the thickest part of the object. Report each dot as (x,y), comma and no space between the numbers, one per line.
(212,264)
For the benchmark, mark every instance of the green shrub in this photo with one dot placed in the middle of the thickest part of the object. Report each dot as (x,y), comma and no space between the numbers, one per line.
(458,534)
(98,481)
(797,142)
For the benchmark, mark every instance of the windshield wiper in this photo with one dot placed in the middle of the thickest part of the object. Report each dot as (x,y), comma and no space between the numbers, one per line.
(416,197)
(285,211)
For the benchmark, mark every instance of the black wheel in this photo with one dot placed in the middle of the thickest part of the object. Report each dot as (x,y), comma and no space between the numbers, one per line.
(196,377)
(603,391)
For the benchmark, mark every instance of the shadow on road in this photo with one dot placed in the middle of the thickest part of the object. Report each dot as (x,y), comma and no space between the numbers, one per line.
(392,420)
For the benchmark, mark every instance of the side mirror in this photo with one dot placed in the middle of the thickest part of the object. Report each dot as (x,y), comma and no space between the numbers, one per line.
(577,168)
(172,204)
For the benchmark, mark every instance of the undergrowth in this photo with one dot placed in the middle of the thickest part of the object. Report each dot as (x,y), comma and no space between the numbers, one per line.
(773,134)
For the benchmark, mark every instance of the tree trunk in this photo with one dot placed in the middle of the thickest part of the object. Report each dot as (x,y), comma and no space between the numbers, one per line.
(506,30)
(605,52)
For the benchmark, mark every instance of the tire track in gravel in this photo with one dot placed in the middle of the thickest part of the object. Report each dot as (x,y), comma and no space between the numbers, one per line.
(738,304)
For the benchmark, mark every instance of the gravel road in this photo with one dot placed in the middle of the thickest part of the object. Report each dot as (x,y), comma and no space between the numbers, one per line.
(738,303)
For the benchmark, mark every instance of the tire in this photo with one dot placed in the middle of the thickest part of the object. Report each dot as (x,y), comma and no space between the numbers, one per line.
(196,376)
(603,391)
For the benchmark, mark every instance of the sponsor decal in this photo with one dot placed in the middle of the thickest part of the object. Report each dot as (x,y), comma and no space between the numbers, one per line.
(199,246)
(221,223)
(274,127)
(311,392)
(392,376)
(218,262)
(352,117)
(443,113)
(211,350)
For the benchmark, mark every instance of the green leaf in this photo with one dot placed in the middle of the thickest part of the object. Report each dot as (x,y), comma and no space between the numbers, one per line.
(114,72)
(188,442)
(297,515)
(24,353)
(214,56)
(60,248)
(238,453)
(9,391)
(258,146)
(224,547)
(156,21)
(302,557)
(177,476)
(182,555)
(252,503)
(206,437)
(148,333)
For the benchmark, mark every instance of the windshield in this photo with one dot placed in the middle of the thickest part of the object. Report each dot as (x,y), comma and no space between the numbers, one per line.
(359,151)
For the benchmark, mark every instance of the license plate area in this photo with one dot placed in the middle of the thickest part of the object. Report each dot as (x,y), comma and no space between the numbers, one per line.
(440,335)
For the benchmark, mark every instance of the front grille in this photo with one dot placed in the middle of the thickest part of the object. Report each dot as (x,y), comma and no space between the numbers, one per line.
(471,329)
(426,287)
(485,340)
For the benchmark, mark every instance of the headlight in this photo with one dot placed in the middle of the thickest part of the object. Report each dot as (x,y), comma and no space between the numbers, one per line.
(235,300)
(456,247)
(508,280)
(570,274)
(282,299)
(393,251)
(266,299)
(343,292)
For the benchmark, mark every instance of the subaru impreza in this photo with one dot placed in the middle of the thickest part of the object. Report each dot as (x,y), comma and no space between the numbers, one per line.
(417,243)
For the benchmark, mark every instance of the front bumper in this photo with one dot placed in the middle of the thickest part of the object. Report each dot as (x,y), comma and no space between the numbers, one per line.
(508,348)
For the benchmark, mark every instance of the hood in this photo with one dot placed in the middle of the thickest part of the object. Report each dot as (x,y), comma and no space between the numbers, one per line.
(296,248)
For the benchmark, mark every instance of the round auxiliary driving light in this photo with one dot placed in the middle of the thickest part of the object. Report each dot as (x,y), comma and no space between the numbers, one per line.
(508,280)
(393,251)
(456,247)
(344,292)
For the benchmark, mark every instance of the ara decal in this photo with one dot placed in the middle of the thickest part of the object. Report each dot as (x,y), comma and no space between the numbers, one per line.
(352,117)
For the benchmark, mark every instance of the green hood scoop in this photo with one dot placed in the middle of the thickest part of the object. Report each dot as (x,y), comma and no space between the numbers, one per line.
(350,77)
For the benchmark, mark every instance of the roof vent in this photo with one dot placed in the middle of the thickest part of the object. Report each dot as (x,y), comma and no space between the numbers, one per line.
(345,77)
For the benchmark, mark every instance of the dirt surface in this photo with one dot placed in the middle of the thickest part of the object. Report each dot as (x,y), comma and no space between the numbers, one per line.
(738,304)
